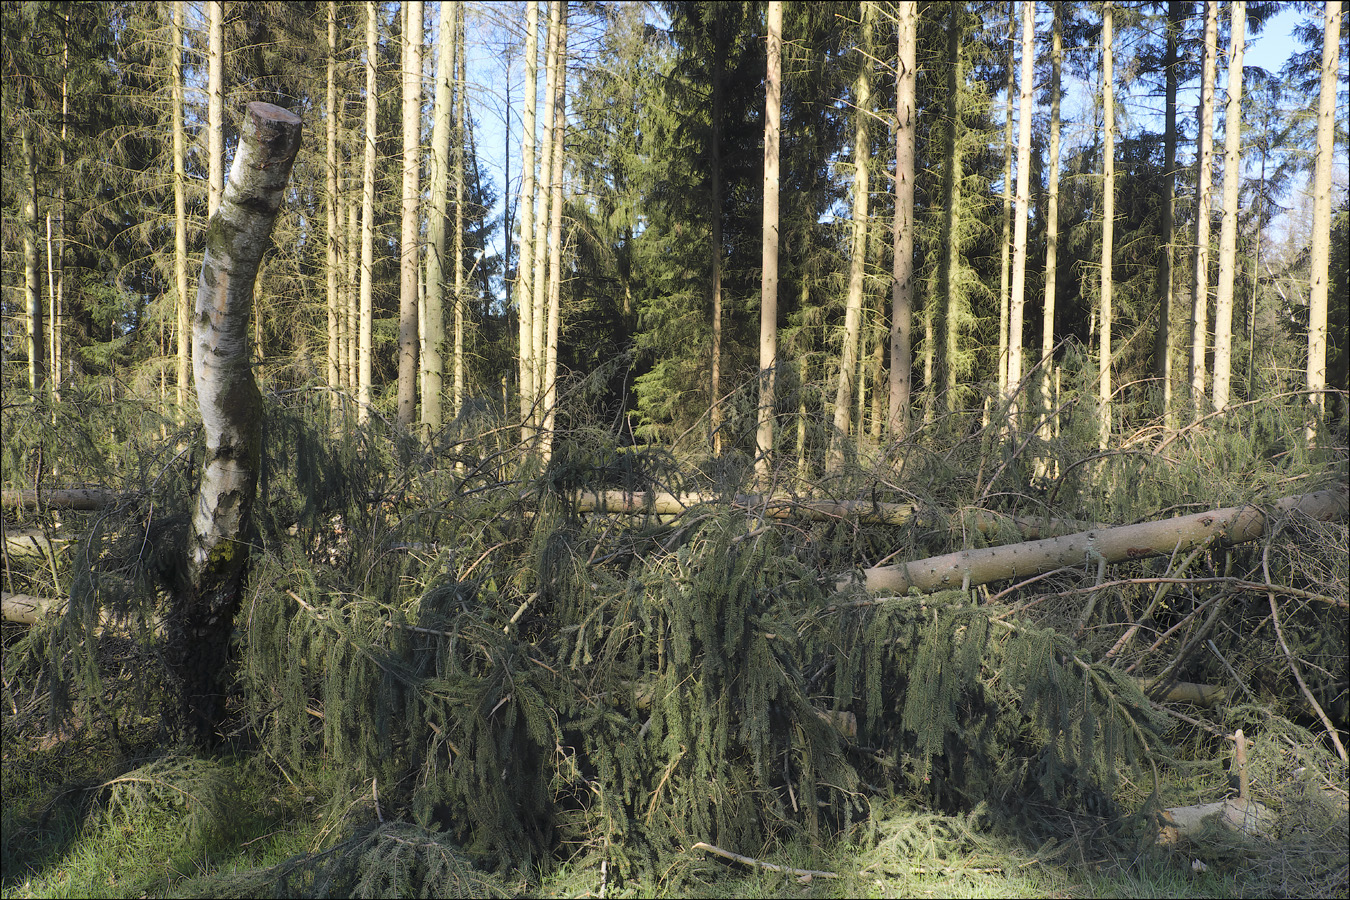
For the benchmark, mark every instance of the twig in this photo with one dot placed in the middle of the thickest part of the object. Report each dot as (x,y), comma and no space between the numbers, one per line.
(751,861)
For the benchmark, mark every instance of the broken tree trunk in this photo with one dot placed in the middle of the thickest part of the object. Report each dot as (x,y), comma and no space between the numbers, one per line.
(967,568)
(62,498)
(201,618)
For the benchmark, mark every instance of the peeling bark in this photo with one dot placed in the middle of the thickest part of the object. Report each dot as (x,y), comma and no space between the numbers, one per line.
(202,616)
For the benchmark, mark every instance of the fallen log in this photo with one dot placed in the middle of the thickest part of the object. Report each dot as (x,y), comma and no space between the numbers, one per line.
(60,498)
(967,568)
(34,543)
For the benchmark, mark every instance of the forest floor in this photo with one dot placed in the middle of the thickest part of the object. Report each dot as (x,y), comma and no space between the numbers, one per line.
(79,821)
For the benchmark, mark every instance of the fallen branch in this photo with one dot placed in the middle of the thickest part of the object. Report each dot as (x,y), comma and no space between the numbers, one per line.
(802,874)
(61,498)
(967,568)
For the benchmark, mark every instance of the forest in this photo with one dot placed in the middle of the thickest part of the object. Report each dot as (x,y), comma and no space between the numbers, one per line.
(636,448)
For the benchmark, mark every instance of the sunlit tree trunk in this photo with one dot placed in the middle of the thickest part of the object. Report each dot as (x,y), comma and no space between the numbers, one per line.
(56,251)
(215,103)
(768,285)
(541,231)
(715,217)
(1232,178)
(32,286)
(461,103)
(1162,347)
(944,318)
(180,249)
(201,617)
(1200,298)
(1051,230)
(555,230)
(525,253)
(433,334)
(1108,222)
(1320,264)
(1005,242)
(902,265)
(1017,294)
(409,239)
(366,348)
(862,147)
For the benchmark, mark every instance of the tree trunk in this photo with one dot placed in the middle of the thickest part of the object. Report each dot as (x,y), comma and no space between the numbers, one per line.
(1232,177)
(334,342)
(525,254)
(715,216)
(366,351)
(945,317)
(1162,346)
(541,232)
(409,239)
(180,250)
(461,104)
(1200,298)
(215,104)
(1051,239)
(1320,264)
(1108,224)
(32,289)
(862,149)
(555,230)
(902,264)
(1234,525)
(201,618)
(1017,295)
(433,334)
(1006,238)
(768,285)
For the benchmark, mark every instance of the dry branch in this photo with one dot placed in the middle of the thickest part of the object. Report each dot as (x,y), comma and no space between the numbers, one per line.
(1229,526)
(61,498)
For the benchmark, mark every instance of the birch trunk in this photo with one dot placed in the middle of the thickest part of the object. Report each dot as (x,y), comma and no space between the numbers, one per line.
(201,618)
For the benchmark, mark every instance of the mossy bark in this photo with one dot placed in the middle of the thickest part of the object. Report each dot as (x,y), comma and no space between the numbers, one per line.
(201,619)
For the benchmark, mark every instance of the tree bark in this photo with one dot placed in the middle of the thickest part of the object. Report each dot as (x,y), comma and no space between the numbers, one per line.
(1232,177)
(555,234)
(409,240)
(215,104)
(768,285)
(1162,346)
(1017,295)
(433,335)
(1200,300)
(1051,236)
(967,568)
(366,340)
(32,289)
(334,315)
(1108,225)
(201,619)
(902,265)
(525,254)
(1320,263)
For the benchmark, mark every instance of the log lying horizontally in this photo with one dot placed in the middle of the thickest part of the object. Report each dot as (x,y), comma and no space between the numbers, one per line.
(61,498)
(1233,525)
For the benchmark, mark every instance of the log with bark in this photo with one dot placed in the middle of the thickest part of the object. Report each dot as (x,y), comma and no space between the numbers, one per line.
(59,498)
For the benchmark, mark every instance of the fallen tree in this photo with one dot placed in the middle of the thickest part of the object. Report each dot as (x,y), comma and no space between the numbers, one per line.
(1098,546)
(59,498)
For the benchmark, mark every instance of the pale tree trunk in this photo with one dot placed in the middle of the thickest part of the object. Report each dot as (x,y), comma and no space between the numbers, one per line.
(848,360)
(1232,177)
(902,265)
(180,248)
(461,102)
(1004,294)
(1320,266)
(408,243)
(32,287)
(715,216)
(215,104)
(433,334)
(1108,224)
(56,253)
(334,342)
(201,618)
(525,253)
(555,231)
(1016,297)
(944,321)
(541,231)
(353,280)
(365,351)
(1051,239)
(1162,346)
(1200,298)
(768,285)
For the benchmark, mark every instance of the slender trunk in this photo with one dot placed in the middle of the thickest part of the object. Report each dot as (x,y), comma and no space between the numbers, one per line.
(56,259)
(201,618)
(433,334)
(1051,232)
(408,242)
(1162,347)
(945,316)
(333,262)
(555,231)
(1200,300)
(525,253)
(1320,267)
(215,104)
(541,230)
(462,117)
(1005,243)
(1016,297)
(1232,177)
(32,288)
(715,215)
(353,280)
(902,265)
(1108,223)
(768,285)
(853,309)
(180,248)
(365,352)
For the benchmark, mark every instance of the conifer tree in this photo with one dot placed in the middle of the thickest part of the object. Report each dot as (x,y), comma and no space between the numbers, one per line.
(1108,225)
(768,299)
(902,283)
